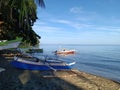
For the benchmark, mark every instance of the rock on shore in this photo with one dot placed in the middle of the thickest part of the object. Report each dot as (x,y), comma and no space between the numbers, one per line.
(17,79)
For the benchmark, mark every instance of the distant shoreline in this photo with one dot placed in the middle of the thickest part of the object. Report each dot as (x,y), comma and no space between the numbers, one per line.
(85,44)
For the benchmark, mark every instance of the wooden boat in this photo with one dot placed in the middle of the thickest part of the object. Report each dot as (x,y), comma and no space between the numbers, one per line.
(38,64)
(65,51)
(35,51)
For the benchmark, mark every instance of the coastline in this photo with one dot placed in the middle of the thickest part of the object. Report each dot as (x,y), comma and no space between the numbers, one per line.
(17,79)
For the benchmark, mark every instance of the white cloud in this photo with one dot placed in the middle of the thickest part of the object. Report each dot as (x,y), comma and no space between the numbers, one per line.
(80,10)
(76,10)
(86,19)
(39,23)
(63,21)
(91,27)
(78,26)
(108,28)
(84,33)
(73,24)
(46,29)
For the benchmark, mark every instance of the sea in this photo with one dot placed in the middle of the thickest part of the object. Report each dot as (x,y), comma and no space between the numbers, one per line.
(100,60)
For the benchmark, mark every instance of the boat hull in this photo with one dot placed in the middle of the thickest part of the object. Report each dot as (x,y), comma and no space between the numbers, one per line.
(67,52)
(27,66)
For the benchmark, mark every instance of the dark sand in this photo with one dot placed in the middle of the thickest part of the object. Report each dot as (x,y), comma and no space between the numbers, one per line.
(17,79)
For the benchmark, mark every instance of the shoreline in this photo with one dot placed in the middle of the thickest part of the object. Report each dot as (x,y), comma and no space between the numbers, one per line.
(18,79)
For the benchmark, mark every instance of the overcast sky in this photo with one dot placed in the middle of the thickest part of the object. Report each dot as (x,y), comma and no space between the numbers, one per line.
(79,22)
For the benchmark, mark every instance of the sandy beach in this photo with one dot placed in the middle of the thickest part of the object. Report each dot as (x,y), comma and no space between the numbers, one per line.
(16,79)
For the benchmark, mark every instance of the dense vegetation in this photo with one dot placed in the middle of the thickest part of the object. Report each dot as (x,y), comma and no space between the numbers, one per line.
(17,18)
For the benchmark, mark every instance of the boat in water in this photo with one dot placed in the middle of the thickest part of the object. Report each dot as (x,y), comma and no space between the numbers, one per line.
(39,64)
(65,51)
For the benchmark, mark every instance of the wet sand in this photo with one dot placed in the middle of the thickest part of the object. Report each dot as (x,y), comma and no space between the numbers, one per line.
(18,79)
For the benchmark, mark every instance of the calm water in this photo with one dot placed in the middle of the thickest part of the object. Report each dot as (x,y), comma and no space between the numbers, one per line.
(102,60)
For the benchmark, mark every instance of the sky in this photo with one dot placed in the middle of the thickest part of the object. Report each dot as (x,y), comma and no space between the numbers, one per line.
(79,22)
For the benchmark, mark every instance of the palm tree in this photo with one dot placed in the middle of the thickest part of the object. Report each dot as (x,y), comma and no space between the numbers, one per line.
(24,7)
(18,16)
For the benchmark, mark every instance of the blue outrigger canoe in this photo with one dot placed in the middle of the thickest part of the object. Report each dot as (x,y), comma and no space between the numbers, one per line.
(23,63)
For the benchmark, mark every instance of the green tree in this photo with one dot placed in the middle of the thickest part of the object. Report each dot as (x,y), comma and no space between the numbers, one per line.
(17,18)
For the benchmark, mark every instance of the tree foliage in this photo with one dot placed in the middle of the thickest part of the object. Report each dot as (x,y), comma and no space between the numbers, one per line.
(18,17)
